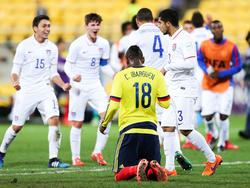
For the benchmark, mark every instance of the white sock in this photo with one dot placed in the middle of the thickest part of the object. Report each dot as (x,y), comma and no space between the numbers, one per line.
(223,132)
(160,133)
(177,141)
(169,150)
(211,127)
(227,131)
(199,141)
(101,140)
(75,142)
(52,138)
(9,136)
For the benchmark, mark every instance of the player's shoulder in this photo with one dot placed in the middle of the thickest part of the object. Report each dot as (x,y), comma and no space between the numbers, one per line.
(102,40)
(52,45)
(79,41)
(229,42)
(26,42)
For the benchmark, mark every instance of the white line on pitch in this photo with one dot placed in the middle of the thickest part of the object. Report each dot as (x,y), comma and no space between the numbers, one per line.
(73,170)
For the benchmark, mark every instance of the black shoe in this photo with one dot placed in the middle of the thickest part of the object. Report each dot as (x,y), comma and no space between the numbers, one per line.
(221,148)
(183,161)
(212,143)
(245,134)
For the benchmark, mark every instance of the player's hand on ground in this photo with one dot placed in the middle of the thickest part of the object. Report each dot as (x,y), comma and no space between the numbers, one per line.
(66,87)
(214,75)
(16,85)
(77,78)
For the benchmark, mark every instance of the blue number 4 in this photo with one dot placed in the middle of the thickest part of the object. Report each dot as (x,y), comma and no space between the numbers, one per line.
(157,47)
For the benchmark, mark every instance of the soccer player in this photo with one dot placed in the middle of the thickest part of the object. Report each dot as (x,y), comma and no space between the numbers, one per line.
(35,64)
(188,26)
(199,34)
(136,90)
(179,76)
(87,55)
(154,47)
(215,57)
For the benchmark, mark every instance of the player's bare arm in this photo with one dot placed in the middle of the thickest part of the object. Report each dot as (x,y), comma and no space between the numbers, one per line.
(163,71)
(15,82)
(65,86)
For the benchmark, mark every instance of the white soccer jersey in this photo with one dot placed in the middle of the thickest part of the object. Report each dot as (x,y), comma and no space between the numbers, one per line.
(152,43)
(180,79)
(124,43)
(86,56)
(35,59)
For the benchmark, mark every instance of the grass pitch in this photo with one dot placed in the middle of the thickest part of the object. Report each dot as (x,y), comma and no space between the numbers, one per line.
(26,162)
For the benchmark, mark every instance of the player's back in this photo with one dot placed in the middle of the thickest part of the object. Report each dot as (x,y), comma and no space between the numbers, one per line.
(140,87)
(152,43)
(201,34)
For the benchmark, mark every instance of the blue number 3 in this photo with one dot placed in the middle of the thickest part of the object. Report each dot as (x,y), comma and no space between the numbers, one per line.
(180,117)
(157,43)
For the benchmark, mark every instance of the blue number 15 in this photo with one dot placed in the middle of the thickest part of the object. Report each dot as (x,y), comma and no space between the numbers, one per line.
(157,47)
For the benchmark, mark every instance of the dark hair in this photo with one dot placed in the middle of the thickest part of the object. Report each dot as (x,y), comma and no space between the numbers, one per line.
(92,17)
(134,54)
(125,26)
(37,20)
(197,19)
(134,24)
(144,14)
(187,22)
(170,15)
(59,40)
(248,36)
(216,22)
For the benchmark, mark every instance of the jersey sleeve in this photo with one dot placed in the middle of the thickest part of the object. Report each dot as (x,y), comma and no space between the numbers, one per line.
(54,56)
(114,101)
(189,49)
(236,64)
(163,97)
(19,56)
(72,55)
(201,61)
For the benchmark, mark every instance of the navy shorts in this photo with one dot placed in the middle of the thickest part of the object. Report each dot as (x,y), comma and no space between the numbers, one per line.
(132,147)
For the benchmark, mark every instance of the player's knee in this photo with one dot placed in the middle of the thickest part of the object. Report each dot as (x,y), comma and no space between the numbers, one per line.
(168,129)
(185,132)
(209,117)
(16,128)
(53,120)
(223,117)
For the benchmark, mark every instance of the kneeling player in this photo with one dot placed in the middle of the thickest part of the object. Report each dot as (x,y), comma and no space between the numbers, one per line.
(137,88)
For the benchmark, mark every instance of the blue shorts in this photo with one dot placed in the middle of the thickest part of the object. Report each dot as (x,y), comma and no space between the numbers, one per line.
(132,147)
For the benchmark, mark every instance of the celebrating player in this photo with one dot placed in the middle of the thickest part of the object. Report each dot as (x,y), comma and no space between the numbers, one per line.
(137,88)
(87,54)
(215,57)
(35,64)
(179,73)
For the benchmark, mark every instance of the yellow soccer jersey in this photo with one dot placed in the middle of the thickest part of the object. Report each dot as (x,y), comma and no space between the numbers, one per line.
(137,89)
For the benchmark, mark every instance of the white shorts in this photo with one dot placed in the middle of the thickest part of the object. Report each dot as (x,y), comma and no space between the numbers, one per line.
(78,99)
(217,102)
(179,114)
(25,105)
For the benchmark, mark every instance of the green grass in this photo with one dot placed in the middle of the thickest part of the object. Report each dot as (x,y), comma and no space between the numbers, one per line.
(26,162)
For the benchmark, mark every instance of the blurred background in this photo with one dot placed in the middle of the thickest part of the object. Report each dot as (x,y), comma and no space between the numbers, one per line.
(67,23)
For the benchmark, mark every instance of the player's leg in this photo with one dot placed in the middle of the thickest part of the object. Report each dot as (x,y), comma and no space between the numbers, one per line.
(23,107)
(49,110)
(159,111)
(185,109)
(99,101)
(225,106)
(77,104)
(168,125)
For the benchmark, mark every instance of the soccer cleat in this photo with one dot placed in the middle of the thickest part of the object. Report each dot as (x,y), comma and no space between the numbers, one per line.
(212,143)
(56,163)
(211,167)
(159,171)
(183,161)
(172,173)
(98,158)
(208,137)
(2,155)
(141,174)
(77,162)
(187,145)
(245,134)
(229,145)
(221,149)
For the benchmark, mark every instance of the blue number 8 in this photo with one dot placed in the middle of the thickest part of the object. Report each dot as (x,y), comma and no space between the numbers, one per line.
(93,60)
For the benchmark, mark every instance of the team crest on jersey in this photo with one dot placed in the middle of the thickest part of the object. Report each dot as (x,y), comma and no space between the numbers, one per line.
(100,50)
(73,114)
(16,118)
(174,47)
(48,52)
